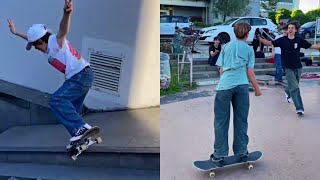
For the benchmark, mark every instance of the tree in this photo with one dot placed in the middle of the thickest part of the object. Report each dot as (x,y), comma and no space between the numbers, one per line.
(270,6)
(298,15)
(282,13)
(272,16)
(230,8)
(313,14)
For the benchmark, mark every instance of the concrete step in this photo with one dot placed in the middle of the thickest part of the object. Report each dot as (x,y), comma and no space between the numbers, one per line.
(205,74)
(204,61)
(206,67)
(25,171)
(131,139)
(264,71)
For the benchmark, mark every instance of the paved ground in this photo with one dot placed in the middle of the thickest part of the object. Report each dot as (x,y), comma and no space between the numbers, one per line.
(53,172)
(290,143)
(133,131)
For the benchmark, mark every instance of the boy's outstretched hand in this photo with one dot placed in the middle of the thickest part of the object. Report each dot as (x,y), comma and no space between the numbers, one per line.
(12,27)
(68,6)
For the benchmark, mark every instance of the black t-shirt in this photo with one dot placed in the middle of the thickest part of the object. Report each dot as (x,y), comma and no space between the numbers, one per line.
(214,49)
(290,49)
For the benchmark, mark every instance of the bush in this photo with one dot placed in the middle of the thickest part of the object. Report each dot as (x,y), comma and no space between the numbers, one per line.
(175,86)
(313,14)
(166,47)
(196,19)
(203,25)
(200,24)
(272,16)
(298,15)
(282,13)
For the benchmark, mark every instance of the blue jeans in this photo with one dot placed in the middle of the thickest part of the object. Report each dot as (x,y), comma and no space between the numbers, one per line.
(293,77)
(67,102)
(278,76)
(239,98)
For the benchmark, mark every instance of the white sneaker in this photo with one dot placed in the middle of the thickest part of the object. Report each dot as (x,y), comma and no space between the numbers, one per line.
(79,133)
(288,98)
(300,112)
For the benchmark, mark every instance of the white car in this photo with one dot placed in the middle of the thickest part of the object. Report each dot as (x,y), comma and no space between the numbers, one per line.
(226,33)
(168,24)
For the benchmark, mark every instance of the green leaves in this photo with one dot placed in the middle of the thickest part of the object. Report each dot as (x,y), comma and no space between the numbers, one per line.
(227,8)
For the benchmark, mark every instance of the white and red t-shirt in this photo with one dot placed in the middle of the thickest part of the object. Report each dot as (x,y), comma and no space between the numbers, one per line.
(65,59)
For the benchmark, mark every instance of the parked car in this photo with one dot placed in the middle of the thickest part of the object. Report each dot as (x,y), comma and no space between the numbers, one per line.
(307,30)
(226,33)
(168,24)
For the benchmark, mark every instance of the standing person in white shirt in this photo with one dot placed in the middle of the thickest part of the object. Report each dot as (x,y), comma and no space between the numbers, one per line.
(276,52)
(67,102)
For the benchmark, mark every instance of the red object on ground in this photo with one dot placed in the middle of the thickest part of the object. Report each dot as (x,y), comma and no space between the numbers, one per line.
(309,76)
(271,60)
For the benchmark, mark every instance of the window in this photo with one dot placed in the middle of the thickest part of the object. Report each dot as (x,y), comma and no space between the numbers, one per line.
(163,20)
(184,20)
(247,20)
(175,19)
(230,21)
(258,22)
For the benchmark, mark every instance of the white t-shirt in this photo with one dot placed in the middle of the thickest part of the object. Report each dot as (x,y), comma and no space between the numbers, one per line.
(65,59)
(277,50)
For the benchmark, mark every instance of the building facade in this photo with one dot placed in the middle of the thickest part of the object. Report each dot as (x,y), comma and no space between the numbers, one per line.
(200,10)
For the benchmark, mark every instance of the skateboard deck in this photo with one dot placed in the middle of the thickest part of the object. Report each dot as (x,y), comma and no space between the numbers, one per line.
(275,83)
(75,148)
(208,165)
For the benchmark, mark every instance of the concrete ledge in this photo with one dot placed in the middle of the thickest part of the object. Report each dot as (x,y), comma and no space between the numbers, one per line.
(59,172)
(21,106)
(108,160)
(130,139)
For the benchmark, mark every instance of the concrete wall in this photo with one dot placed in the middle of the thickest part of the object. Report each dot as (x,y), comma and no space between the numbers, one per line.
(133,25)
(188,11)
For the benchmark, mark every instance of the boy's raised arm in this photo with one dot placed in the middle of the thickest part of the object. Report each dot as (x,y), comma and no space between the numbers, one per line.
(65,22)
(13,30)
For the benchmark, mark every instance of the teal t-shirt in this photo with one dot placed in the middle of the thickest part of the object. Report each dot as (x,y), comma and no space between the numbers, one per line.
(235,58)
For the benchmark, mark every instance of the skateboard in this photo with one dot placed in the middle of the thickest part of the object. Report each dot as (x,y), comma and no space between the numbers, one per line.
(275,83)
(75,148)
(208,165)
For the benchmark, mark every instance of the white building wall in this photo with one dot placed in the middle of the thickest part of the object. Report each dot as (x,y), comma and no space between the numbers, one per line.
(133,26)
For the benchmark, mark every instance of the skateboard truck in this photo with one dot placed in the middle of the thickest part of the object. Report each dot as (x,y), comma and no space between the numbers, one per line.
(77,147)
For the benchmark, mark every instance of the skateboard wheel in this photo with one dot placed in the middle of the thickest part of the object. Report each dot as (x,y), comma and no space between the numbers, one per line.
(98,140)
(74,157)
(83,147)
(250,166)
(212,174)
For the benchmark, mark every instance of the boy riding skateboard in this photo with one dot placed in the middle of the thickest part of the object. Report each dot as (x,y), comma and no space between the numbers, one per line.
(67,102)
(236,62)
(290,46)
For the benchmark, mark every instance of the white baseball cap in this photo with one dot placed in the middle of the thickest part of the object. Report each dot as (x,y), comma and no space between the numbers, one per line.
(35,32)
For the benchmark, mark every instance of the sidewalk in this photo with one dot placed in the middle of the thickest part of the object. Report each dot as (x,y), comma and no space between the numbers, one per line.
(289,143)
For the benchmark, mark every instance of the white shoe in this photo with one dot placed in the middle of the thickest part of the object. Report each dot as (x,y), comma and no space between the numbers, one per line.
(288,98)
(79,133)
(300,112)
